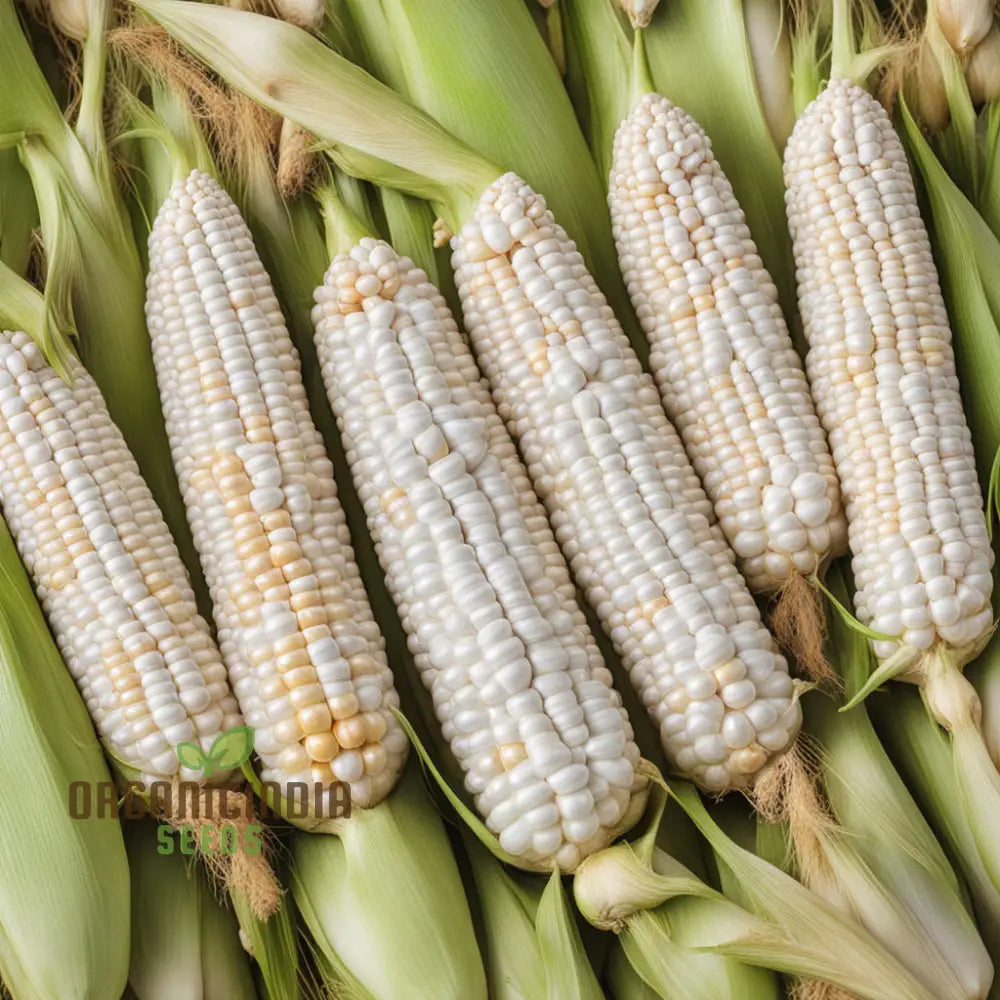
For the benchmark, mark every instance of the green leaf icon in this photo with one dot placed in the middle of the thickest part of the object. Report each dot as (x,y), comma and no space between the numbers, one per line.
(192,757)
(232,748)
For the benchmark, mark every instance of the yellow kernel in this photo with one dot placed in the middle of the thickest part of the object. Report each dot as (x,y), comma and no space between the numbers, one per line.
(316,719)
(375,725)
(344,706)
(322,746)
(511,754)
(323,774)
(350,733)
(375,758)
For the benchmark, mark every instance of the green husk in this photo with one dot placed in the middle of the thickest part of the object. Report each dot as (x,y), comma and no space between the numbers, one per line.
(778,924)
(533,949)
(921,752)
(766,25)
(624,983)
(185,943)
(369,128)
(511,105)
(64,889)
(18,213)
(384,920)
(273,943)
(886,865)
(800,925)
(89,250)
(599,48)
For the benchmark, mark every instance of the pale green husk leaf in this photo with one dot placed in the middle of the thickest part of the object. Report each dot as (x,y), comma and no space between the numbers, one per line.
(64,888)
(383,899)
(185,943)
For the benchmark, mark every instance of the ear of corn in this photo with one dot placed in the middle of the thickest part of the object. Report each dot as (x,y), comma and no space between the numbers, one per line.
(304,653)
(904,453)
(185,943)
(875,319)
(106,569)
(64,898)
(635,526)
(434,923)
(442,471)
(729,377)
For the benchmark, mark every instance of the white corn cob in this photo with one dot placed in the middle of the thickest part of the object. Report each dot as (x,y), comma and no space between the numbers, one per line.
(304,653)
(721,355)
(517,680)
(625,503)
(883,374)
(106,569)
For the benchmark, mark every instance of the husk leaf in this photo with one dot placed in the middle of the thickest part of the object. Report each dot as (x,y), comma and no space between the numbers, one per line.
(511,106)
(64,882)
(384,897)
(372,130)
(185,943)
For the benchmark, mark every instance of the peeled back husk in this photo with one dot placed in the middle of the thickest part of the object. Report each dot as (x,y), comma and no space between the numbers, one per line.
(886,865)
(532,945)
